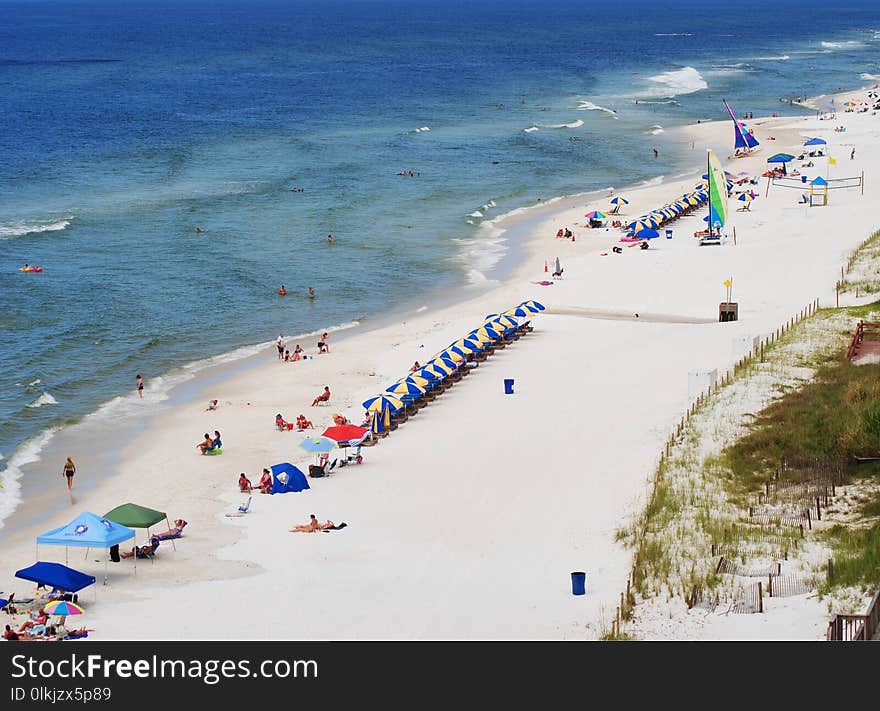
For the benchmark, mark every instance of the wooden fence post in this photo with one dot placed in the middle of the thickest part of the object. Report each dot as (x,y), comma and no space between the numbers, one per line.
(818,510)
(770,585)
(837,294)
(760,598)
(830,571)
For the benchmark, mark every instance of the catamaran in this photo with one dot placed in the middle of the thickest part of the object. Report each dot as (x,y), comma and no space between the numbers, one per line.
(744,143)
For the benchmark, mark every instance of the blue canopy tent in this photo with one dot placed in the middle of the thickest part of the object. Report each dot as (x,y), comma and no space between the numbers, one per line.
(87,530)
(57,575)
(286,477)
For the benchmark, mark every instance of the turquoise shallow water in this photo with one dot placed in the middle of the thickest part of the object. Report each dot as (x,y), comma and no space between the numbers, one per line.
(126,126)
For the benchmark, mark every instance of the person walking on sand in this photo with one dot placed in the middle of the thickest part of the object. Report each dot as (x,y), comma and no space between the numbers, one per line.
(68,471)
(852,153)
(280,344)
(139,383)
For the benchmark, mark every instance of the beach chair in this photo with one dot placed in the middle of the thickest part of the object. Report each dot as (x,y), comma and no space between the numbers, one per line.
(558,275)
(154,546)
(242,509)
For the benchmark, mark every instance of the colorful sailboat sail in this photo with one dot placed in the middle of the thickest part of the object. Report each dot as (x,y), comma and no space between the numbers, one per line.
(717,193)
(743,141)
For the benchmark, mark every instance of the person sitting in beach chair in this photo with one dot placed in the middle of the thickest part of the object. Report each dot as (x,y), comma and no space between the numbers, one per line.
(266,482)
(339,419)
(303,423)
(804,199)
(560,232)
(324,397)
(176,532)
(558,275)
(147,550)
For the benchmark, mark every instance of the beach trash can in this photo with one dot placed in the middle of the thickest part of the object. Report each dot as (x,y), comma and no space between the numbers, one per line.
(668,234)
(508,386)
(578,583)
(803,178)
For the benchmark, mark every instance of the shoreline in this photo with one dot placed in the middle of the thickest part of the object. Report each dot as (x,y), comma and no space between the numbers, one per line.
(378,349)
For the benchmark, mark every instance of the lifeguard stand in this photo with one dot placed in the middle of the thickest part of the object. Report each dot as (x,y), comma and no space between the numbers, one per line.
(818,192)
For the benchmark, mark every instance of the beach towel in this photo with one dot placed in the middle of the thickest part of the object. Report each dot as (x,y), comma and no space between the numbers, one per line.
(337,527)
(77,635)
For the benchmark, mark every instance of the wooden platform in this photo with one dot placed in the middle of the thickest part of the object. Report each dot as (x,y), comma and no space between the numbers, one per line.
(864,346)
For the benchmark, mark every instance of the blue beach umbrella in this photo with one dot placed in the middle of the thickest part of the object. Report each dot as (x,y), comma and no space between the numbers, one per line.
(404,388)
(647,234)
(518,311)
(781,158)
(533,306)
(385,401)
(317,445)
(619,201)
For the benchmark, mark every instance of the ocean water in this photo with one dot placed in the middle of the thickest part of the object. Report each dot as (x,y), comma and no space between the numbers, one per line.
(124,126)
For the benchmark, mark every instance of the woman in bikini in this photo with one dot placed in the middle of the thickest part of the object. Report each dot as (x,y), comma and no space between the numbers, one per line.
(69,470)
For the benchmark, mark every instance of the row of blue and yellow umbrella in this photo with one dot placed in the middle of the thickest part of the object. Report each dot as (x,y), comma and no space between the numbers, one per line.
(414,385)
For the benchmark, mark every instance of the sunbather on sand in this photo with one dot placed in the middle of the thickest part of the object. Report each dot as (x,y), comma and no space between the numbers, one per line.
(176,532)
(323,397)
(313,525)
(206,444)
(244,484)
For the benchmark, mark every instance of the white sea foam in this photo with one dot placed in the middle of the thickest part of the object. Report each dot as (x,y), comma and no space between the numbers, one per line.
(573,124)
(869,77)
(686,80)
(673,34)
(651,181)
(469,222)
(655,130)
(10,486)
(476,213)
(28,227)
(34,382)
(423,129)
(663,101)
(590,106)
(530,129)
(421,309)
(848,44)
(482,252)
(44,399)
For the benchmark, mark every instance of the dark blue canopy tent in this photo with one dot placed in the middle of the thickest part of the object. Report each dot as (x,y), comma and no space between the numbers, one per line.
(56,575)
(286,477)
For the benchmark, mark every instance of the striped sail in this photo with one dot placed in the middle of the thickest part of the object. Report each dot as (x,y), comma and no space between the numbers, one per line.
(717,193)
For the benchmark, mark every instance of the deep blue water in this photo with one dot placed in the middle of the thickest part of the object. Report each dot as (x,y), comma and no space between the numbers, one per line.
(124,126)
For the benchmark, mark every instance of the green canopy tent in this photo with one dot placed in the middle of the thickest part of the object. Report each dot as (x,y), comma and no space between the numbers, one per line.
(134,516)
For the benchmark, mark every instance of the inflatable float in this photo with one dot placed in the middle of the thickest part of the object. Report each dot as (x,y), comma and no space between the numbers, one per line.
(29,268)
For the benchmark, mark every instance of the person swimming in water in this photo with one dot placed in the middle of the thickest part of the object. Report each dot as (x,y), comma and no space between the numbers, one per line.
(329,239)
(311,293)
(282,291)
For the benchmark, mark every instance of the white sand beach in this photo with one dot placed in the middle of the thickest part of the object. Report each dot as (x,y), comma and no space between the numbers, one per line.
(466,522)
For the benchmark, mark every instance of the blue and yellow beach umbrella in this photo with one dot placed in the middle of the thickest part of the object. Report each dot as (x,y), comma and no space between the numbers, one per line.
(619,201)
(441,365)
(404,388)
(533,306)
(385,401)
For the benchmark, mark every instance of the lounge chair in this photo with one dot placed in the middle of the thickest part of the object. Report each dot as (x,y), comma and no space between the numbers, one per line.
(154,545)
(242,510)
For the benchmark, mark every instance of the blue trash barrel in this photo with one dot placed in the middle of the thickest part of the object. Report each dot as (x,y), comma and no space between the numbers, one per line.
(508,386)
(803,178)
(668,234)
(578,583)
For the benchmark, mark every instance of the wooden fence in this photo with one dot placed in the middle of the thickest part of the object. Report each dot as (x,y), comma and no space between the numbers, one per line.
(755,354)
(853,628)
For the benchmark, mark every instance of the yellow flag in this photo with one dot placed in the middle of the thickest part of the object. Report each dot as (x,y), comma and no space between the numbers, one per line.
(831,161)
(728,283)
